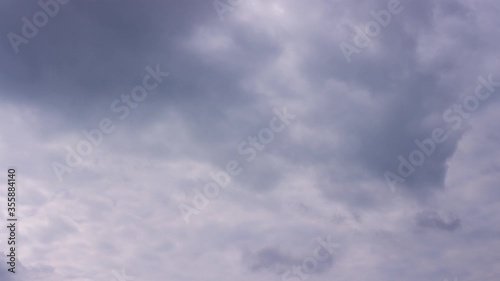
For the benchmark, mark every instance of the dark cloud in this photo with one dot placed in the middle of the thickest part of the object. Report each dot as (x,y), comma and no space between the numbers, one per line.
(434,220)
(269,259)
(277,261)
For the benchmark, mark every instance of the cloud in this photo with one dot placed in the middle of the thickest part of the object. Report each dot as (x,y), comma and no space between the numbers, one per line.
(323,175)
(434,220)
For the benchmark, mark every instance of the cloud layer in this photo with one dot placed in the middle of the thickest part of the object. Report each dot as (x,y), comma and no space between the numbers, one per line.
(117,212)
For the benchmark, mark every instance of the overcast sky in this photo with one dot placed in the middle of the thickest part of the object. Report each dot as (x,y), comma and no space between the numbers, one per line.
(228,140)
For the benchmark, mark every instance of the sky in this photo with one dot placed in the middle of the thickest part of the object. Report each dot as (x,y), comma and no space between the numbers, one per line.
(251,140)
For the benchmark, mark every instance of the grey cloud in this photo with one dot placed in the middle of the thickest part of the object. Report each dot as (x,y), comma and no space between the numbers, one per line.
(435,220)
(269,259)
(277,261)
(353,120)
